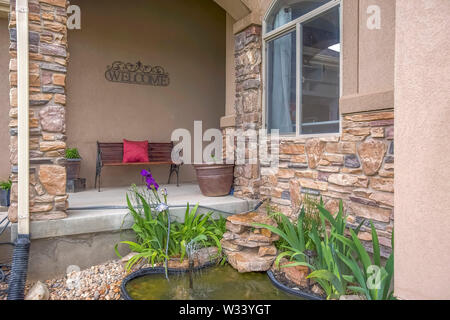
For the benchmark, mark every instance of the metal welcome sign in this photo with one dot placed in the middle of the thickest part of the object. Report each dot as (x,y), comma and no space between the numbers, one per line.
(137,74)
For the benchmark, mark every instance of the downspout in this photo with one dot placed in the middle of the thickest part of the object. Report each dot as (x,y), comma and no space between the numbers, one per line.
(17,281)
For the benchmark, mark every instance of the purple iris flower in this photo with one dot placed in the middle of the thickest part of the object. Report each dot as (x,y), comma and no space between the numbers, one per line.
(151,182)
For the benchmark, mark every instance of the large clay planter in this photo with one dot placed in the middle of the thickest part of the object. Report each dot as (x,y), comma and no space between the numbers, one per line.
(73,168)
(215,180)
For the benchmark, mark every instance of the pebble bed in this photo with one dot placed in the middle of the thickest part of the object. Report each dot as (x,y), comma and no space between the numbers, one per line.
(100,282)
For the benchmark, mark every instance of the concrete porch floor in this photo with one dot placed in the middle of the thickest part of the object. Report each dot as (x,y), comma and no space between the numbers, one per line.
(187,192)
(96,212)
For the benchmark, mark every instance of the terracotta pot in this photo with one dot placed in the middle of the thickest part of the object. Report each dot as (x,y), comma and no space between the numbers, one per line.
(215,180)
(73,168)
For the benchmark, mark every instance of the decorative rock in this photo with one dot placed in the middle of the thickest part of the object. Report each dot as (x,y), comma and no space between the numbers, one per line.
(352,161)
(250,240)
(390,133)
(315,185)
(38,292)
(53,179)
(53,119)
(12,213)
(372,153)
(377,132)
(294,187)
(267,251)
(307,174)
(382,184)
(358,131)
(297,149)
(286,174)
(370,116)
(249,219)
(229,246)
(235,228)
(346,180)
(341,147)
(315,149)
(383,198)
(370,212)
(249,260)
(46,146)
(205,256)
(296,274)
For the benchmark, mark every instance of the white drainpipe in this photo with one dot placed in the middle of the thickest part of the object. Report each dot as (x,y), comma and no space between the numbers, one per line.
(23,117)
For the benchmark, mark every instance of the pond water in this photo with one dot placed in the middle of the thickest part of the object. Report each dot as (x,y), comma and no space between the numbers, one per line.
(218,283)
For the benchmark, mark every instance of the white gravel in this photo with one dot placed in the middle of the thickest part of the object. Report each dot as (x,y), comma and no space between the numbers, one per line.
(100,282)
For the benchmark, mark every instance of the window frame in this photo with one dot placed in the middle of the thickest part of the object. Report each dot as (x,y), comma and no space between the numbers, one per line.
(297,25)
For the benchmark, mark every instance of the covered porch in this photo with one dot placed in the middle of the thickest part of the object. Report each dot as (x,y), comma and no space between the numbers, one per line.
(74,104)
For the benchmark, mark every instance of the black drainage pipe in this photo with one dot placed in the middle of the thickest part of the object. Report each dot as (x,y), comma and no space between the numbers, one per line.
(19,270)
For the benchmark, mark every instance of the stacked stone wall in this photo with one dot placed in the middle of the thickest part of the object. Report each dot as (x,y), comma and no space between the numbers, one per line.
(48,68)
(356,166)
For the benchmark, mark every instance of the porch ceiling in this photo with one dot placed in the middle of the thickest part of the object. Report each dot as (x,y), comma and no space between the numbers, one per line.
(235,8)
(4,8)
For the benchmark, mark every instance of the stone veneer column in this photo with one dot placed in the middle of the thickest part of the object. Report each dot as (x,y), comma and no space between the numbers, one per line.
(248,46)
(48,67)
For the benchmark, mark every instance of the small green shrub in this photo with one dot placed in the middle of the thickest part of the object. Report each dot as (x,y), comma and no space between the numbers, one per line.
(6,185)
(341,265)
(72,153)
(374,279)
(152,223)
(329,271)
(200,229)
(292,236)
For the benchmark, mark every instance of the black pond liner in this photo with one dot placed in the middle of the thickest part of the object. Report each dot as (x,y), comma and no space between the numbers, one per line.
(159,270)
(298,293)
(154,271)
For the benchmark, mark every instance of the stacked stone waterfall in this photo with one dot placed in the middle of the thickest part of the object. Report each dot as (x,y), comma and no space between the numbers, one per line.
(250,248)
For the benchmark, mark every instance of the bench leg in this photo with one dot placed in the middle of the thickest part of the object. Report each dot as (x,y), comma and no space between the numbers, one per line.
(170,173)
(176,169)
(98,177)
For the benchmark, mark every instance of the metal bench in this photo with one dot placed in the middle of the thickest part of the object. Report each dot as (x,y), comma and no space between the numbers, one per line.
(111,155)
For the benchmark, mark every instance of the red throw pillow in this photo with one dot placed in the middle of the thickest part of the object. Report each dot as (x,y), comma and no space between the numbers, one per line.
(135,151)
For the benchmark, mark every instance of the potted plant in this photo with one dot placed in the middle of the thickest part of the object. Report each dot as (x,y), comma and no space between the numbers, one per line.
(73,164)
(215,179)
(5,193)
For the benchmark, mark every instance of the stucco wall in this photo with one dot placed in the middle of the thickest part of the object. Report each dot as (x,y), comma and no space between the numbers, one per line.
(4,100)
(187,38)
(422,202)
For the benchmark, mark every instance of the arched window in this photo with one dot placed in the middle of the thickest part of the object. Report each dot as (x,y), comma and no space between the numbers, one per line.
(302,67)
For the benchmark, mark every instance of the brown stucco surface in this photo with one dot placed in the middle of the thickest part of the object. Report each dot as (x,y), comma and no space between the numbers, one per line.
(422,202)
(4,100)
(187,39)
